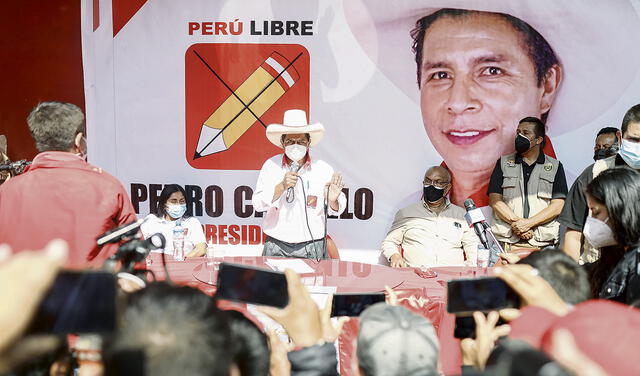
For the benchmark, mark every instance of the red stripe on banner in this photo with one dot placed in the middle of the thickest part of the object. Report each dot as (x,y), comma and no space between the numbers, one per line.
(274,73)
(123,11)
(285,62)
(96,14)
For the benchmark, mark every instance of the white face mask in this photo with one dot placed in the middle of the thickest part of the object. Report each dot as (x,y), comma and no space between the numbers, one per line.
(295,152)
(598,233)
(630,152)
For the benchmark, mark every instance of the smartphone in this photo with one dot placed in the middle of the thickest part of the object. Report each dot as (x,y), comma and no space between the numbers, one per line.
(249,284)
(78,302)
(480,294)
(354,304)
(466,327)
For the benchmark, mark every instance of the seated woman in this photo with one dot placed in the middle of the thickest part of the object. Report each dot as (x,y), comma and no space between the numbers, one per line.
(170,212)
(613,198)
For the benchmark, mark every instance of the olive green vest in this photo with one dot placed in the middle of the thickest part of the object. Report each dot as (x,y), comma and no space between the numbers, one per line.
(540,193)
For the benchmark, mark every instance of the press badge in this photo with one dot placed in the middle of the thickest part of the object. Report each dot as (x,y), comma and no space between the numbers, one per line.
(312,201)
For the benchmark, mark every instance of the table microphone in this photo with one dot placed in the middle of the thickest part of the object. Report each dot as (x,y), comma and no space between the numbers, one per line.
(476,219)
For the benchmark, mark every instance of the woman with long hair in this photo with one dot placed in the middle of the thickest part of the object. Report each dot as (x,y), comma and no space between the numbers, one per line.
(614,227)
(169,213)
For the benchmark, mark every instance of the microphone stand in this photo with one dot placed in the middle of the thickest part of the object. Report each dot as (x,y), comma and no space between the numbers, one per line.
(493,256)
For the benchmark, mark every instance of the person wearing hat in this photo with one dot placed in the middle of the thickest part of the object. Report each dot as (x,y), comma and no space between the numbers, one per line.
(484,65)
(296,191)
(394,341)
(527,191)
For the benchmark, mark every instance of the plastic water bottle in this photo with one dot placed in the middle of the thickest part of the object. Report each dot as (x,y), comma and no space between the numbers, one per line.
(483,257)
(178,243)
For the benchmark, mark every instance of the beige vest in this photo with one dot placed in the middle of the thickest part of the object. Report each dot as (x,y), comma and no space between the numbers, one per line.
(540,192)
(589,253)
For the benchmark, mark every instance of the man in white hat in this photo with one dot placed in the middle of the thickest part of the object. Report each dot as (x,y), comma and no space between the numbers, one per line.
(484,65)
(297,192)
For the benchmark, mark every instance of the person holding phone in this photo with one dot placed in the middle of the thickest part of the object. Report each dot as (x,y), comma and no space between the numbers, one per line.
(297,192)
(170,213)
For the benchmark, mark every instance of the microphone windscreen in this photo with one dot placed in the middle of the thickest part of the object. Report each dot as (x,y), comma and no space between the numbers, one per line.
(469,204)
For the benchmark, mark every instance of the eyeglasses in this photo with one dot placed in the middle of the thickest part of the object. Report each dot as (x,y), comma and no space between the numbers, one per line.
(439,184)
(292,141)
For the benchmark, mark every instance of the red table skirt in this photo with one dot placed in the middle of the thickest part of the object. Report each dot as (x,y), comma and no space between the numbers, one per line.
(424,296)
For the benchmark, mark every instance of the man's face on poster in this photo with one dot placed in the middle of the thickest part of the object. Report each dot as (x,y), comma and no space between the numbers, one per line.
(477,82)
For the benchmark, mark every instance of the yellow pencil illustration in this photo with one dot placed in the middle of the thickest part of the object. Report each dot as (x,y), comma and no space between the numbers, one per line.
(246,104)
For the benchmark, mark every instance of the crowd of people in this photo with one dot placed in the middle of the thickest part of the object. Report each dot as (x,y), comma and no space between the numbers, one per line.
(579,284)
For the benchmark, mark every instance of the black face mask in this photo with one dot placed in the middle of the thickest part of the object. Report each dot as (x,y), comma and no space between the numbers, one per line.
(432,194)
(606,153)
(522,144)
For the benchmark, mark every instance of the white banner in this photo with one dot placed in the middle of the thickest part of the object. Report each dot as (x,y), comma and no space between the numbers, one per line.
(180,92)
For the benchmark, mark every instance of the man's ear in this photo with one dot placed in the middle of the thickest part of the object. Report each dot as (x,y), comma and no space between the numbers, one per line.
(550,85)
(77,142)
(619,137)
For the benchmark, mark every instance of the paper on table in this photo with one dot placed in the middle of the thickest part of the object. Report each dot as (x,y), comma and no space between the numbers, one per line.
(297,266)
(319,294)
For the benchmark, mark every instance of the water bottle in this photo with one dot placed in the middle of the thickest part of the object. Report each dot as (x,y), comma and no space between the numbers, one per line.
(483,257)
(178,243)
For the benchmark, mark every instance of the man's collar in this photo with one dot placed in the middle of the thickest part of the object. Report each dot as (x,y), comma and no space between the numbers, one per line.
(540,159)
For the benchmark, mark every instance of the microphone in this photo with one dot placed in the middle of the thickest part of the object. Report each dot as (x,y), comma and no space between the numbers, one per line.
(295,167)
(117,234)
(476,219)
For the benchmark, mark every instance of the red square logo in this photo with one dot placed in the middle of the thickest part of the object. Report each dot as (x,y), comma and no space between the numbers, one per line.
(232,92)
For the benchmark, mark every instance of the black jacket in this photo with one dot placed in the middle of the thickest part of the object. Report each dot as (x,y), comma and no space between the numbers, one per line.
(314,361)
(623,284)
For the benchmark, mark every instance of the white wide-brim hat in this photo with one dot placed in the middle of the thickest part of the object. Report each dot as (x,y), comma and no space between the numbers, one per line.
(595,41)
(295,121)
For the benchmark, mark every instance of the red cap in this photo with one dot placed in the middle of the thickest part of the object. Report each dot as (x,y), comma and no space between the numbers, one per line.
(606,332)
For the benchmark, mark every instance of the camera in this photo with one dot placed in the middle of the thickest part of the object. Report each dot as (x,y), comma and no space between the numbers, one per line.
(133,249)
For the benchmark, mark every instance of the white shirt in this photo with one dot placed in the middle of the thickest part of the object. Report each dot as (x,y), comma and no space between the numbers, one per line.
(153,225)
(287,221)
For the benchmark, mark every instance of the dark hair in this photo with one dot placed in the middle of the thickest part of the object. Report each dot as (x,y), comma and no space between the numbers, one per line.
(565,275)
(54,125)
(167,191)
(539,128)
(609,130)
(174,330)
(538,49)
(307,135)
(632,116)
(618,189)
(250,349)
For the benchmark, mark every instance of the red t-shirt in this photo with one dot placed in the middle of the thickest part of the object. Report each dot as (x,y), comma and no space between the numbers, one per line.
(62,196)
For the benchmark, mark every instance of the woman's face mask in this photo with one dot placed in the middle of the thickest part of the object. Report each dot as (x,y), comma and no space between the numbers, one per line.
(598,232)
(176,210)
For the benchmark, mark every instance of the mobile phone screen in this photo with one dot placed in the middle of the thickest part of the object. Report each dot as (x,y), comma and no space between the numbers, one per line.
(354,304)
(466,327)
(252,285)
(78,302)
(480,294)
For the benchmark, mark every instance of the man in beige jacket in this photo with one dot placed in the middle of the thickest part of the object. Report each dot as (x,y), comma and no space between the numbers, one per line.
(432,232)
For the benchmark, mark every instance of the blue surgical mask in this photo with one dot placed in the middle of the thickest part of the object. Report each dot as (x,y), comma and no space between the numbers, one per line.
(630,153)
(176,210)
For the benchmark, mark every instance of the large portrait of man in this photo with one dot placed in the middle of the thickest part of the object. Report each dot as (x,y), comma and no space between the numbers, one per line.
(477,68)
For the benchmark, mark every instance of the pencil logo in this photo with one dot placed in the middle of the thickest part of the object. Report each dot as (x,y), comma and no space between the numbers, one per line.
(233,91)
